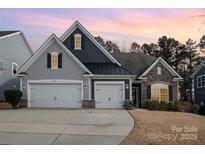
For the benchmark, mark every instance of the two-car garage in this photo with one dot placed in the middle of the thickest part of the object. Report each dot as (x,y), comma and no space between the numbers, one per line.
(69,94)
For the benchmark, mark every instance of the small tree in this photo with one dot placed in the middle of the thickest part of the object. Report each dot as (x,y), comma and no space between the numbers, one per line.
(13,97)
(135,47)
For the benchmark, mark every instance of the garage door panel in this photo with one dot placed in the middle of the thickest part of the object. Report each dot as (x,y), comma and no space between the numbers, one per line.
(109,95)
(55,95)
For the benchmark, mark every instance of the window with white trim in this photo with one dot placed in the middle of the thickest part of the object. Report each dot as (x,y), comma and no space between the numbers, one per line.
(54,60)
(201,81)
(160,92)
(159,71)
(14,68)
(77,41)
(1,65)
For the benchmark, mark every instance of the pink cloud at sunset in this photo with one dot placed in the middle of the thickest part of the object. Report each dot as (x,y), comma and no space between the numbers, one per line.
(118,25)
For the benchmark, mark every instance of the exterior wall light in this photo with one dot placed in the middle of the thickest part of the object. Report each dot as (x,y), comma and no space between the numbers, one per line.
(85,86)
(127,86)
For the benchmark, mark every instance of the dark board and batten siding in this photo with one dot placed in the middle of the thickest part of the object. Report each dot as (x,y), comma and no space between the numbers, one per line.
(199,93)
(89,53)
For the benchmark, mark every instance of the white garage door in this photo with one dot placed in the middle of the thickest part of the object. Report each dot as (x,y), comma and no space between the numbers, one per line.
(109,94)
(54,95)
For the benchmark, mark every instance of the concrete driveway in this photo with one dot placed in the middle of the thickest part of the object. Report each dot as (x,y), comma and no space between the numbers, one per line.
(63,126)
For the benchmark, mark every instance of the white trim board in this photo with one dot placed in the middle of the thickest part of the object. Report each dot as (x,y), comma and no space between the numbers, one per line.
(197,69)
(165,64)
(43,48)
(77,24)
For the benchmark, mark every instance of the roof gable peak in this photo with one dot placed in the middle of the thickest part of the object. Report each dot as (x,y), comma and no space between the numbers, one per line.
(77,24)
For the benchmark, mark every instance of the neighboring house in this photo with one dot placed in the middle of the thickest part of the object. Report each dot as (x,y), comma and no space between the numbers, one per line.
(14,51)
(155,79)
(74,71)
(198,82)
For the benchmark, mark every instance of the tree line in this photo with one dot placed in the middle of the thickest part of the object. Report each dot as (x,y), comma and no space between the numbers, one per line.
(183,57)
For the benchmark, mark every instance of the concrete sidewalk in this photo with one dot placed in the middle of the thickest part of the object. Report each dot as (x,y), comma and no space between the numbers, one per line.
(64,126)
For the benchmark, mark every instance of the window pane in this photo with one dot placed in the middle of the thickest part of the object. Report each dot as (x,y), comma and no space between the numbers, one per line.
(54,61)
(155,92)
(199,81)
(164,94)
(77,42)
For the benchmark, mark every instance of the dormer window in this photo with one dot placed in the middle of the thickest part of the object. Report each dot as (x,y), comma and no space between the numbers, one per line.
(54,60)
(159,71)
(77,41)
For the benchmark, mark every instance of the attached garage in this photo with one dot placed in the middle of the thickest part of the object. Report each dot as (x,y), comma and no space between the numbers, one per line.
(55,94)
(109,94)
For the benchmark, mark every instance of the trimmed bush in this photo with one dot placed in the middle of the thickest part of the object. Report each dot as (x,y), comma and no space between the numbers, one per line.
(175,106)
(155,105)
(148,104)
(169,106)
(195,108)
(128,104)
(163,106)
(13,97)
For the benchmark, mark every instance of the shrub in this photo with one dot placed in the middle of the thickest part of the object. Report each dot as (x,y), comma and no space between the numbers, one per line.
(163,106)
(13,97)
(184,106)
(169,106)
(128,104)
(195,108)
(148,104)
(175,106)
(155,105)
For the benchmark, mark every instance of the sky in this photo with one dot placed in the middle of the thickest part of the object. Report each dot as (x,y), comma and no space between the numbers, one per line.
(121,26)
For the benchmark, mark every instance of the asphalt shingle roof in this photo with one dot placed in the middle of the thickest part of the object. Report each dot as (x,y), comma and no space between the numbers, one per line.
(137,63)
(4,33)
(107,69)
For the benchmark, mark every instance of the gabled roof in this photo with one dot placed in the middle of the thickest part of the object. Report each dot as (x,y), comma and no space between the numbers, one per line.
(38,53)
(5,33)
(77,24)
(107,69)
(166,65)
(135,62)
(197,69)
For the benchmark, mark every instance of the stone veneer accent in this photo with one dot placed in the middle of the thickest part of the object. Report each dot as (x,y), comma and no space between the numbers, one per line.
(87,104)
(166,76)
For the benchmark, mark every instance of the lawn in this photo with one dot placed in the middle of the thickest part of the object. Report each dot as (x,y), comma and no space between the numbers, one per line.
(159,127)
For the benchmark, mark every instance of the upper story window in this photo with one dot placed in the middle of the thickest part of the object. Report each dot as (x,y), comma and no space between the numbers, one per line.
(54,60)
(1,65)
(14,68)
(201,81)
(77,41)
(159,71)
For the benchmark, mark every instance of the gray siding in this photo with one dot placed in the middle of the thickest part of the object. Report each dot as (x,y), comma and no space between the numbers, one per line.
(90,53)
(12,49)
(38,70)
(199,93)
